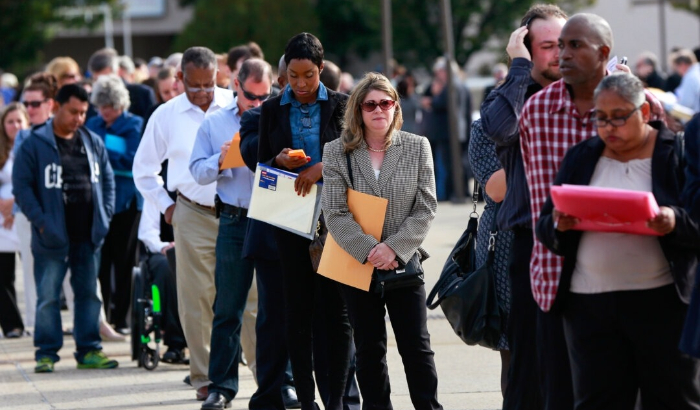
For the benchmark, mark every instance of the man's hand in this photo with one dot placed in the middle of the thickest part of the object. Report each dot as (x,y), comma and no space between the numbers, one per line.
(664,222)
(169,214)
(6,206)
(224,150)
(307,178)
(8,222)
(563,222)
(167,247)
(516,45)
(383,257)
(288,162)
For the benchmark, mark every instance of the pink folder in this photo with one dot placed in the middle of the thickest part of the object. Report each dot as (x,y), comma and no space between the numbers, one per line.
(606,209)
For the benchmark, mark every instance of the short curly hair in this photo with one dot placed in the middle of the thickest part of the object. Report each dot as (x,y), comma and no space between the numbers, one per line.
(109,90)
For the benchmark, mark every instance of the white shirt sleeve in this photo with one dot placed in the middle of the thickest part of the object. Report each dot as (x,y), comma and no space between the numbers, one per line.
(150,155)
(149,228)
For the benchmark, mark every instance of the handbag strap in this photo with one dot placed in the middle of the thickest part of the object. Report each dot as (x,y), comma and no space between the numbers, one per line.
(493,233)
(352,180)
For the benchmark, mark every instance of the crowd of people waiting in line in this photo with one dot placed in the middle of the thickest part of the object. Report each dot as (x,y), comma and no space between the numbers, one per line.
(97,175)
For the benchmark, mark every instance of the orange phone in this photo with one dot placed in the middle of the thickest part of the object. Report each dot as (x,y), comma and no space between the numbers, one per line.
(297,153)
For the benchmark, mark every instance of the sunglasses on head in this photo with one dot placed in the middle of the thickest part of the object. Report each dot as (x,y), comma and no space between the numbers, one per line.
(371,105)
(253,97)
(35,104)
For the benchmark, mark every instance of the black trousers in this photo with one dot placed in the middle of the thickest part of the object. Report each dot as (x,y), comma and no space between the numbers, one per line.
(271,357)
(554,367)
(351,398)
(163,277)
(299,282)
(408,315)
(10,317)
(119,252)
(523,392)
(622,342)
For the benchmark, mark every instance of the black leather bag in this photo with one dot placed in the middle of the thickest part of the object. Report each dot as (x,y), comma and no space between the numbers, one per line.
(467,294)
(407,275)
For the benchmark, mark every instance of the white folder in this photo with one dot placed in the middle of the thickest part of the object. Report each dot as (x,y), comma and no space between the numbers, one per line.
(275,202)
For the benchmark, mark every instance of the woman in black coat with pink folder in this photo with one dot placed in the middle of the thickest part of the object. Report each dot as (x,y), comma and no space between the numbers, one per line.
(627,294)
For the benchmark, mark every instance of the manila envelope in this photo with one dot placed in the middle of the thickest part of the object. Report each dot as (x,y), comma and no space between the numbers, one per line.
(369,212)
(233,158)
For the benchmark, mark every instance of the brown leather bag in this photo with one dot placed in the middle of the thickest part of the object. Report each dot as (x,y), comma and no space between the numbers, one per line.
(316,246)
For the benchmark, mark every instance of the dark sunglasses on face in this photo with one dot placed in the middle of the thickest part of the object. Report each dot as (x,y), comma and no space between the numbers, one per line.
(253,97)
(34,104)
(371,105)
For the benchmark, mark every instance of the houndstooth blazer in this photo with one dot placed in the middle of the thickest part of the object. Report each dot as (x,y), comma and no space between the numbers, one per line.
(406,179)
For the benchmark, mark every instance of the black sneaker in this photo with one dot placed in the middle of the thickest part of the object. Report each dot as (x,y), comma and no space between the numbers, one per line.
(175,356)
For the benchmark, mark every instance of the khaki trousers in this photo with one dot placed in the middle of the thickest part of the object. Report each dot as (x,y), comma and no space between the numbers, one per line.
(195,231)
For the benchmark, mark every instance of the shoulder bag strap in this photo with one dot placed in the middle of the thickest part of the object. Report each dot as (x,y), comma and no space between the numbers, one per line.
(352,180)
(493,233)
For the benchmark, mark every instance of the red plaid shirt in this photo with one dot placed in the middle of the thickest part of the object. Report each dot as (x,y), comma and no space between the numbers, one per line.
(550,124)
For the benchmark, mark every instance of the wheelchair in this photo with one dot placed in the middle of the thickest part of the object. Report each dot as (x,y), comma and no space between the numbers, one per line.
(146,319)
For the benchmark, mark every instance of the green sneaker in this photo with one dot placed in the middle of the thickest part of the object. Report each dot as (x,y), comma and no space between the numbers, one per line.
(97,360)
(44,365)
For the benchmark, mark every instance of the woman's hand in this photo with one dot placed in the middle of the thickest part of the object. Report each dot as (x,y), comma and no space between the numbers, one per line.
(8,222)
(383,257)
(664,222)
(6,206)
(288,162)
(307,178)
(563,222)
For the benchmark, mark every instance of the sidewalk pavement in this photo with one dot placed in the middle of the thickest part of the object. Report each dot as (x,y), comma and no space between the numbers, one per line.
(469,377)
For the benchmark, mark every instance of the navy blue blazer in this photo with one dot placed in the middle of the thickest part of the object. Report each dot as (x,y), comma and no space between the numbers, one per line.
(667,179)
(259,240)
(691,193)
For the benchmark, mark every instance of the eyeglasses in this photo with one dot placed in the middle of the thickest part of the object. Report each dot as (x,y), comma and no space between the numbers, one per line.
(253,97)
(371,105)
(34,104)
(615,122)
(194,90)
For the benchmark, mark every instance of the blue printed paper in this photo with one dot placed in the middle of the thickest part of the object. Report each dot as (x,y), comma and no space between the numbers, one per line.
(115,143)
(268,180)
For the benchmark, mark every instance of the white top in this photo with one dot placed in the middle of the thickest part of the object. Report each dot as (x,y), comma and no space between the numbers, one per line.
(149,227)
(170,134)
(8,237)
(608,262)
(376,173)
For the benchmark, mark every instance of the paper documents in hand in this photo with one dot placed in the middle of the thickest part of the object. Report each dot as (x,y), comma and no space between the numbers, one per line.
(607,209)
(233,158)
(275,201)
(369,211)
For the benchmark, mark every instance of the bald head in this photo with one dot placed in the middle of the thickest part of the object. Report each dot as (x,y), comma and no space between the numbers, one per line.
(596,26)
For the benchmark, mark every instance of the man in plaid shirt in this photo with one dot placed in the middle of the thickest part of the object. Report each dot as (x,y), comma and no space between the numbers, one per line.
(552,121)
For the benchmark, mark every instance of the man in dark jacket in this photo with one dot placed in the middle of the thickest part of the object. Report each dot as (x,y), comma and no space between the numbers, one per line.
(61,175)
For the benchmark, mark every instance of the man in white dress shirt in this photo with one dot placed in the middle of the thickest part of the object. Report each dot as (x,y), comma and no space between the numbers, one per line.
(170,134)
(234,273)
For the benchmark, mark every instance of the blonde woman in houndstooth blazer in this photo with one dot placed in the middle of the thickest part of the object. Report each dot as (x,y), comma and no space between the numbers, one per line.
(398,166)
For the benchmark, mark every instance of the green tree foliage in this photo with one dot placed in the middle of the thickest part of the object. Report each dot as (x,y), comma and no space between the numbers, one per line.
(222,24)
(26,28)
(353,27)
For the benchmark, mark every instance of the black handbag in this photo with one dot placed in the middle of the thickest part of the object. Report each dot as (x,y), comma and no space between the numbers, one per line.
(467,294)
(410,274)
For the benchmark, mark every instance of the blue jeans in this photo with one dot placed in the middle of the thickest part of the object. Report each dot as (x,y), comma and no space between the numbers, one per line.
(83,260)
(233,277)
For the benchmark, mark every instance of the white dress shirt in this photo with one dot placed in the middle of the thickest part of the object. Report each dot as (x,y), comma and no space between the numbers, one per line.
(149,228)
(170,134)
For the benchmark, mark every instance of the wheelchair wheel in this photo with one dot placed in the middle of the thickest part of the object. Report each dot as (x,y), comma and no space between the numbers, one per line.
(138,316)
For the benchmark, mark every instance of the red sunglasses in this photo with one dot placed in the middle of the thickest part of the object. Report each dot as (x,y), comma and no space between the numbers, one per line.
(371,105)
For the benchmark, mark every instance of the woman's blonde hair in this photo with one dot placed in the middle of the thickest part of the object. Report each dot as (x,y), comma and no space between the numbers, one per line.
(59,66)
(5,143)
(353,127)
